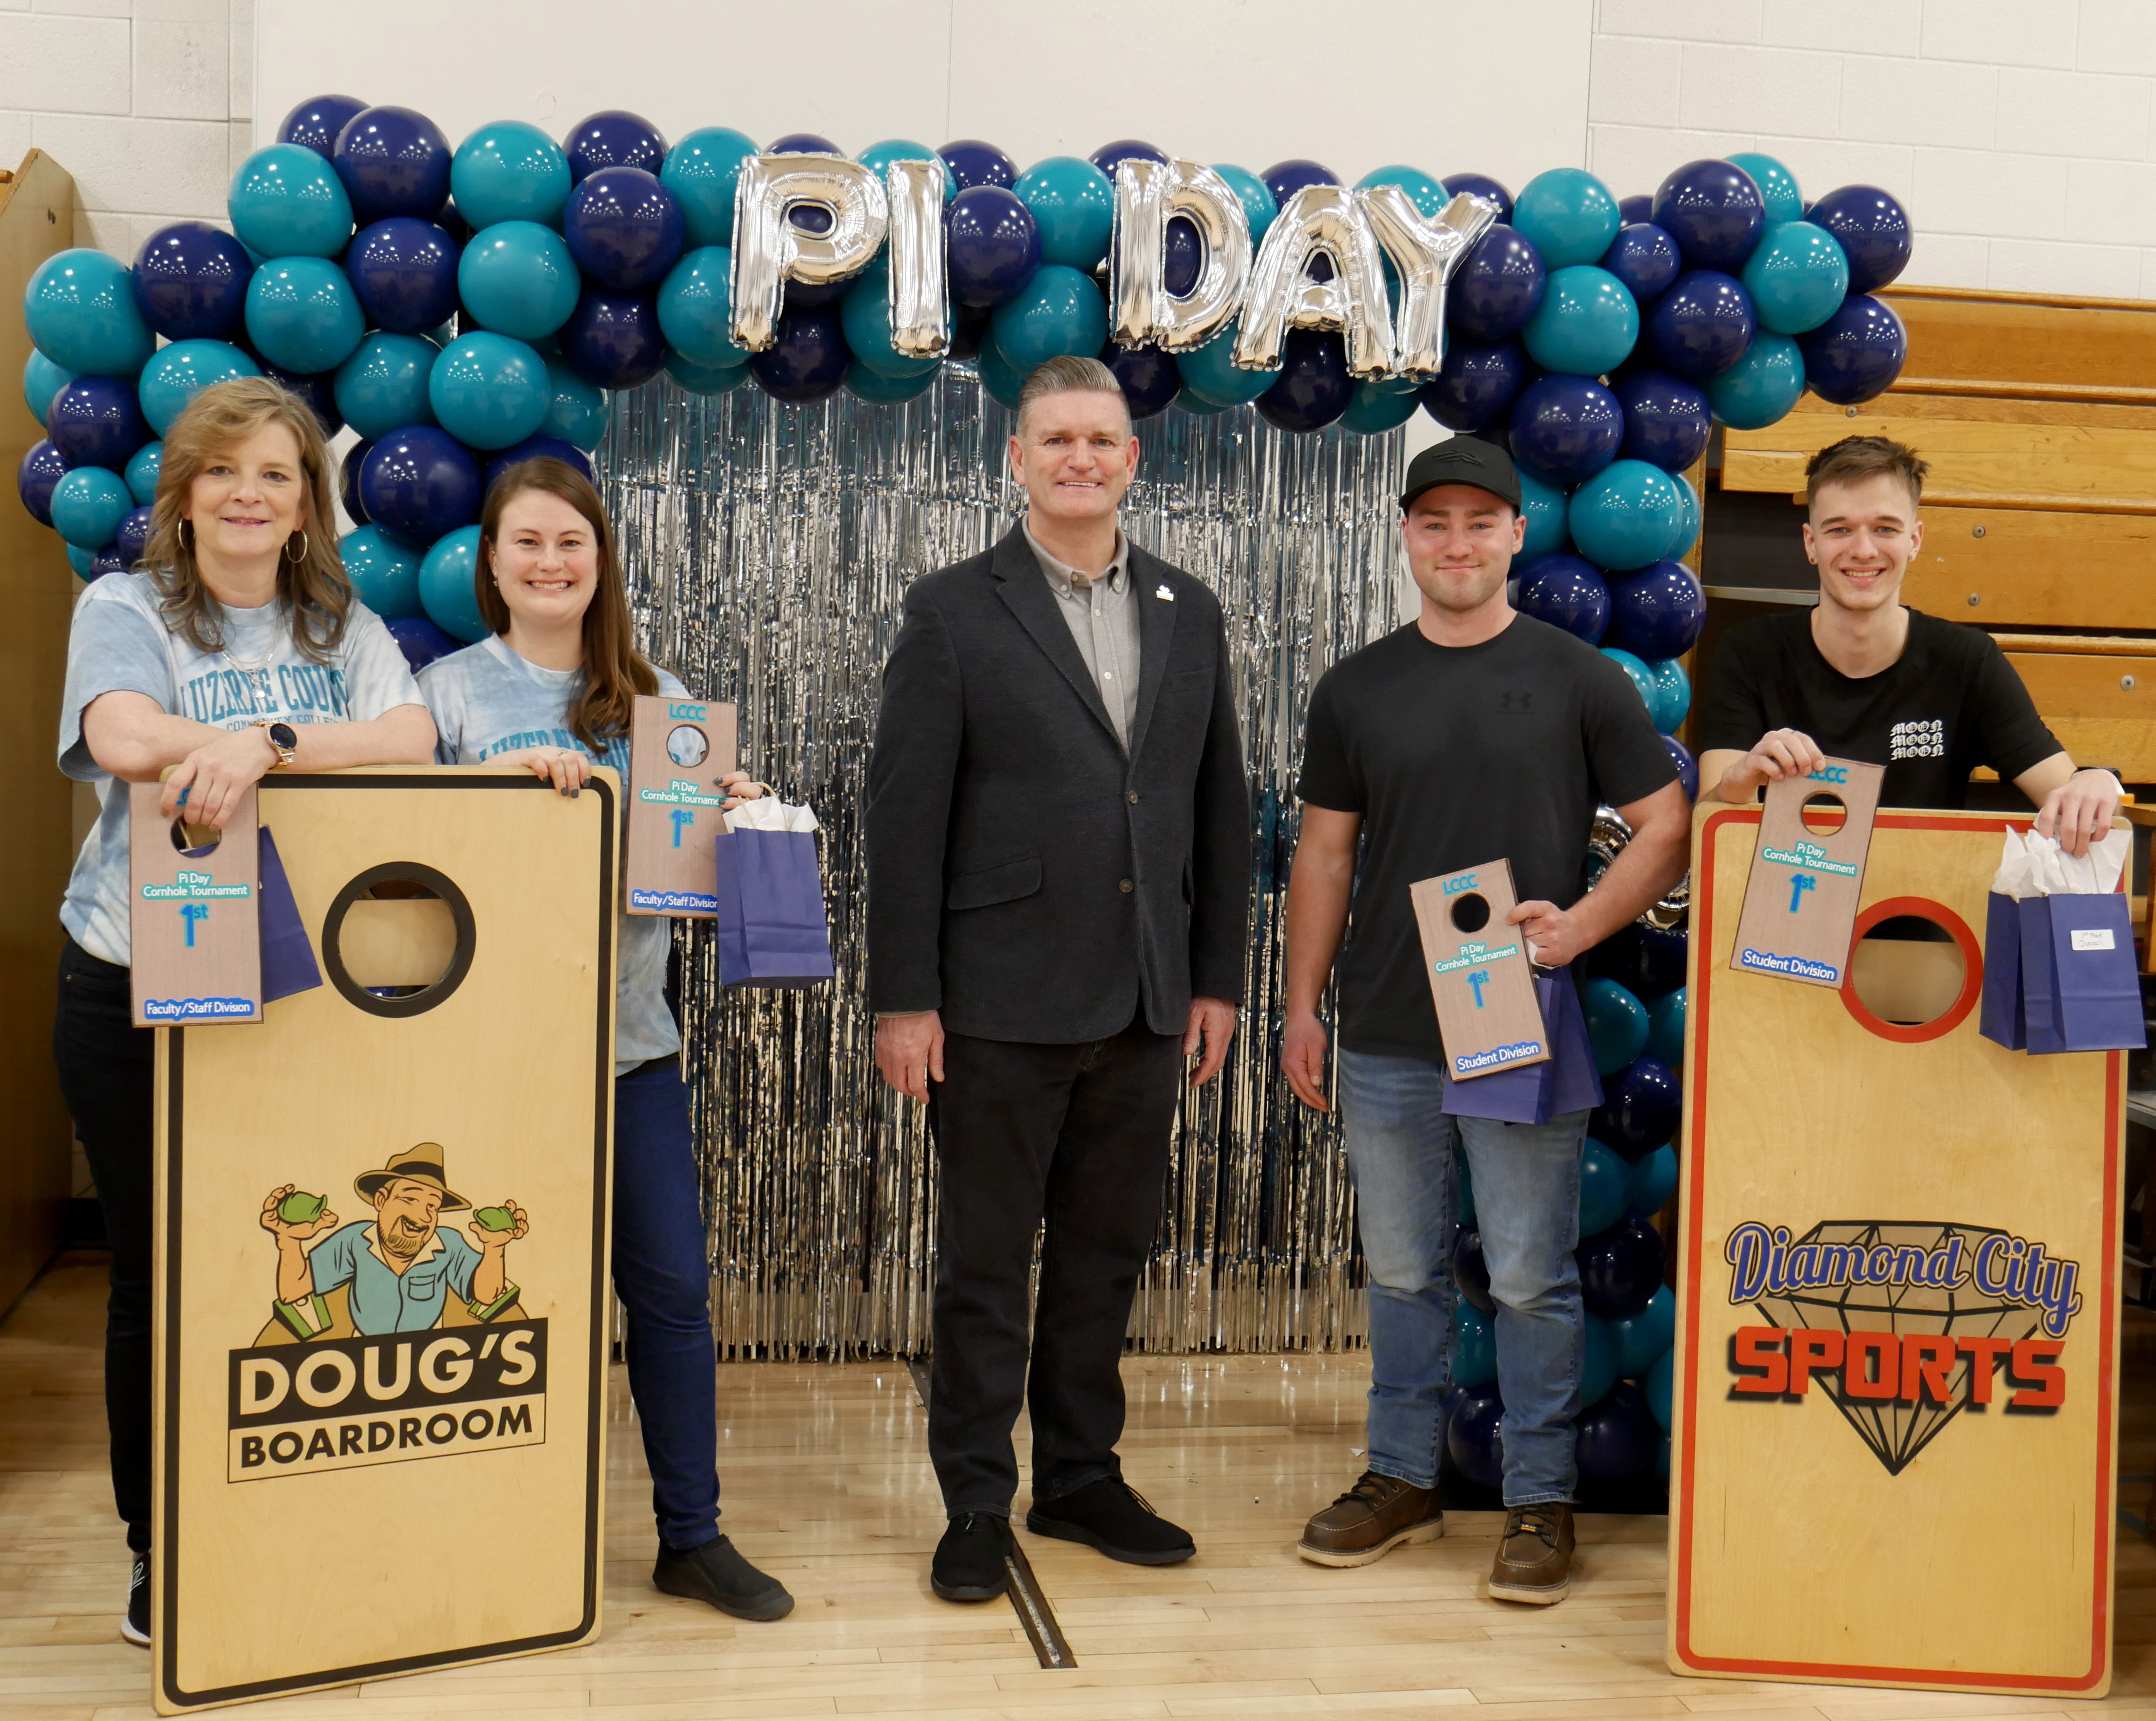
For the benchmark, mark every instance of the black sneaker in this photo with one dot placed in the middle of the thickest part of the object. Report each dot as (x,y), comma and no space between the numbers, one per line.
(1112,1516)
(717,1573)
(135,1623)
(968,1565)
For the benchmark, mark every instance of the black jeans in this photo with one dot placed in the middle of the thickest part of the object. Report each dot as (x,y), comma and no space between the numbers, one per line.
(107,1067)
(1077,1136)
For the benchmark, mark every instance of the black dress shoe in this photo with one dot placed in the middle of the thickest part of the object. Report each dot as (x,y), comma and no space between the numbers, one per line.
(1111,1516)
(969,1560)
(717,1573)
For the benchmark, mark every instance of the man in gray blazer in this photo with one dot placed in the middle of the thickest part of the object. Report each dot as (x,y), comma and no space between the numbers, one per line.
(1058,847)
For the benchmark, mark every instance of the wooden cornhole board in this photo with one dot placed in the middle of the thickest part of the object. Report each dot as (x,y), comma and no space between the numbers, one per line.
(420,1485)
(1871,1539)
(679,749)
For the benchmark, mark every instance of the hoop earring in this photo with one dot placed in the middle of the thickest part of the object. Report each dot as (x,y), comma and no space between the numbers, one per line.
(302,556)
(186,530)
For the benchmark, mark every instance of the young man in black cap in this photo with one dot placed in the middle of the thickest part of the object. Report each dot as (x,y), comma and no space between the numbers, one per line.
(1471,733)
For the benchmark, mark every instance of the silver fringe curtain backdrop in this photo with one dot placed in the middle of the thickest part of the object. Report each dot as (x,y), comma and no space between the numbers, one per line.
(767,548)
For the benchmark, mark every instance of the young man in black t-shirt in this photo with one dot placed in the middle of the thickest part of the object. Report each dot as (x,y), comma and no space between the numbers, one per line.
(1864,677)
(1473,733)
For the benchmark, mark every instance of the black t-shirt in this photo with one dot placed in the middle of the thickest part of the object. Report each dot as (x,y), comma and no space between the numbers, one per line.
(1455,755)
(1949,703)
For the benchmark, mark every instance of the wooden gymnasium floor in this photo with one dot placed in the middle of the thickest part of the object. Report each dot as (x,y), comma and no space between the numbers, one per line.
(827,1484)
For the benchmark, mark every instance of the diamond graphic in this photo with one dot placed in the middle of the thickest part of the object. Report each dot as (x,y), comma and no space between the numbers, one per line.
(1895,1432)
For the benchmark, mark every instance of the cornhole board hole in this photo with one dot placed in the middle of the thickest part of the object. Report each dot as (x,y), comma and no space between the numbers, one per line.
(363,1471)
(1894,1460)
(679,751)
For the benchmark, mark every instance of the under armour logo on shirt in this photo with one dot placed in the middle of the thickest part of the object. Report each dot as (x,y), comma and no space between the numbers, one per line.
(1519,703)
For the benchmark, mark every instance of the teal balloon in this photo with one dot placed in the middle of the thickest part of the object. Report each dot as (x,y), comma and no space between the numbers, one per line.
(874,386)
(88,505)
(1616,1024)
(446,593)
(41,379)
(517,278)
(79,307)
(1060,312)
(1643,1338)
(1545,506)
(705,378)
(880,155)
(1605,1182)
(696,308)
(384,573)
(1002,382)
(1378,407)
(286,201)
(83,562)
(1569,215)
(1074,206)
(180,372)
(1643,679)
(1425,193)
(1672,696)
(1797,277)
(1687,529)
(1259,204)
(510,172)
(1474,1346)
(488,391)
(1658,1385)
(1463,1199)
(302,313)
(700,171)
(382,386)
(576,412)
(1587,324)
(1759,389)
(1624,516)
(143,466)
(1600,1372)
(1210,372)
(1196,404)
(1665,1029)
(865,314)
(1653,1181)
(1778,185)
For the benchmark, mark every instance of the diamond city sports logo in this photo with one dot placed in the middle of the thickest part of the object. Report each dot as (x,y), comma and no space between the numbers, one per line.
(1902,1324)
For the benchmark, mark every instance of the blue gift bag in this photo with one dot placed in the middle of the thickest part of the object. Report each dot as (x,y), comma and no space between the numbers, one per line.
(2080,989)
(2002,1017)
(1534,1093)
(770,924)
(288,959)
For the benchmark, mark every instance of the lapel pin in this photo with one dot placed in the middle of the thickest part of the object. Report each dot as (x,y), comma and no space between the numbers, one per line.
(1163,592)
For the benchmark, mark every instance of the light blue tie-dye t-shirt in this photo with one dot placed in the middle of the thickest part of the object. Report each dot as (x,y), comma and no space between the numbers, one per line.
(488,701)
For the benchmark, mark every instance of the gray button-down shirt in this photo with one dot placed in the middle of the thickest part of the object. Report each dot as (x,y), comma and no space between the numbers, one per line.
(1103,615)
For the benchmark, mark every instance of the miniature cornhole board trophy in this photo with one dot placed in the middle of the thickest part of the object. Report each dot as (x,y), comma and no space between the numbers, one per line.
(1895,1407)
(192,914)
(1800,902)
(382,1251)
(679,749)
(1479,978)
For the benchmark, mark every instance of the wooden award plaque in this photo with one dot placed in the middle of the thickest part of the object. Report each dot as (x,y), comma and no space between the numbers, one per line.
(678,750)
(1479,977)
(1800,902)
(194,915)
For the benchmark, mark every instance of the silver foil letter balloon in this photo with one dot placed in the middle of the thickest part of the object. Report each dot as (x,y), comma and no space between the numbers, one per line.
(1319,220)
(1425,252)
(1148,196)
(769,250)
(920,288)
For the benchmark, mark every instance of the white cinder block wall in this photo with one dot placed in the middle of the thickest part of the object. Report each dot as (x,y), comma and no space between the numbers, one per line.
(2021,133)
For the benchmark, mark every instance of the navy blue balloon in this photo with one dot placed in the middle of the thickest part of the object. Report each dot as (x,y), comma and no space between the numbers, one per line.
(191,282)
(393,162)
(973,162)
(420,483)
(1856,353)
(1639,207)
(1641,1105)
(992,245)
(1148,377)
(1471,1272)
(624,229)
(537,448)
(1702,325)
(111,559)
(1498,286)
(612,340)
(1477,384)
(1110,156)
(1648,963)
(969,327)
(1656,612)
(1873,229)
(1645,259)
(315,122)
(1567,592)
(803,143)
(43,467)
(1567,428)
(1284,179)
(1621,1269)
(318,389)
(1183,252)
(1687,766)
(1667,420)
(807,359)
(97,421)
(1480,185)
(1474,1437)
(1618,1441)
(453,223)
(133,536)
(421,640)
(613,138)
(1714,211)
(403,273)
(1314,388)
(348,481)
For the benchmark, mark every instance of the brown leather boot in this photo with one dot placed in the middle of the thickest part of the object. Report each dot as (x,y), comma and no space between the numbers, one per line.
(1534,1555)
(1379,1514)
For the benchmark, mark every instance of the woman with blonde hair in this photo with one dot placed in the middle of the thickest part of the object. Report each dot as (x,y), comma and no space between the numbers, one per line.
(235,649)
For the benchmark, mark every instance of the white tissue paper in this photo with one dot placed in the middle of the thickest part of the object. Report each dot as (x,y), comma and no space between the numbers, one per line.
(2035,865)
(769,812)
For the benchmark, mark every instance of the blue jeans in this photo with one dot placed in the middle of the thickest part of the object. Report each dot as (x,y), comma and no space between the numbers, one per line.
(664,1279)
(1527,1206)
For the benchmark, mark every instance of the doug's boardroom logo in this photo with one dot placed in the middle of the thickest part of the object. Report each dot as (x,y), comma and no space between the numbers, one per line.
(389,1338)
(1902,1324)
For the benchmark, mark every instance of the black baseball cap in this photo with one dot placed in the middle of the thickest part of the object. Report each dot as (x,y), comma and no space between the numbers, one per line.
(1463,460)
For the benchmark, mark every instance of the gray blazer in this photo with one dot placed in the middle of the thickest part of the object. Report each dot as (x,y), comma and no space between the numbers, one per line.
(1026,878)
